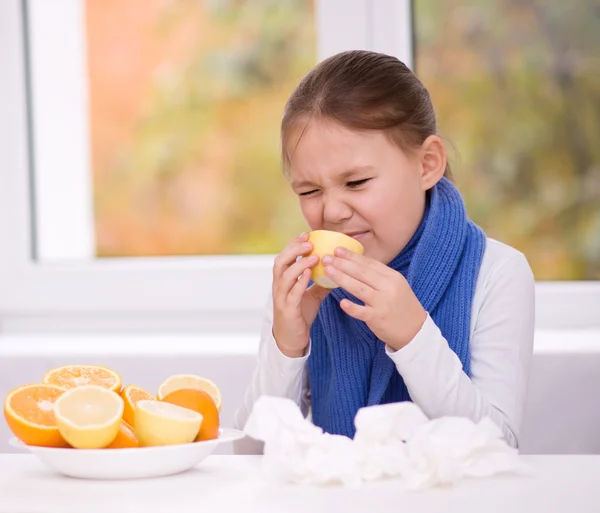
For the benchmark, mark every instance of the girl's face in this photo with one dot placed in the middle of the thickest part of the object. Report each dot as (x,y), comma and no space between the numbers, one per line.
(360,183)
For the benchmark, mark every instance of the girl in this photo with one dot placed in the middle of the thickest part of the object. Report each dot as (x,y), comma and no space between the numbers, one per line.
(433,312)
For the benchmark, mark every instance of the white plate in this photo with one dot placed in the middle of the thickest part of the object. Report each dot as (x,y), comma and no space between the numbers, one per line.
(135,463)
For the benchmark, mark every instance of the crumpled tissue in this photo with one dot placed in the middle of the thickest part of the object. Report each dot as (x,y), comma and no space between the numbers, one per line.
(392,441)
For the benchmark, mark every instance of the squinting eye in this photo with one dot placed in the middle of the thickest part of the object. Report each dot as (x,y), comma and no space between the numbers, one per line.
(307,193)
(357,183)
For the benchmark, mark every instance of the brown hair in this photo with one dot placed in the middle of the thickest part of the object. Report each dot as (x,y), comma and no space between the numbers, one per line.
(365,91)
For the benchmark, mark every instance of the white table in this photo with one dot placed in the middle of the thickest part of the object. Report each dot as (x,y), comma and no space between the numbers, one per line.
(234,483)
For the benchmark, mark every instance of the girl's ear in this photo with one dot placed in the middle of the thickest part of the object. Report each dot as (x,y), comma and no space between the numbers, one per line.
(433,161)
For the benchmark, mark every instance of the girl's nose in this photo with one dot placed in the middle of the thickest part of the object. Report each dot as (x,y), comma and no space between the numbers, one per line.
(335,210)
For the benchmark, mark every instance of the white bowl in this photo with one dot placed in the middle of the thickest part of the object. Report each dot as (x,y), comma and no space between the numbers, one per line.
(134,463)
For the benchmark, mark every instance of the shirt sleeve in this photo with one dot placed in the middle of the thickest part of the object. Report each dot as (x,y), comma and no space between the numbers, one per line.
(501,353)
(275,374)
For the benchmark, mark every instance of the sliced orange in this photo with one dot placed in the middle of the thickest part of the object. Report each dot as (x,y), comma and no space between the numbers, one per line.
(72,376)
(125,439)
(201,402)
(29,413)
(131,394)
(179,381)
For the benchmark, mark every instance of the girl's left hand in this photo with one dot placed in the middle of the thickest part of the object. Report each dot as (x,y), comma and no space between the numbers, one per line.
(391,310)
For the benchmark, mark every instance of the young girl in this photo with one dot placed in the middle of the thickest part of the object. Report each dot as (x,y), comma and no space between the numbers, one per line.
(433,312)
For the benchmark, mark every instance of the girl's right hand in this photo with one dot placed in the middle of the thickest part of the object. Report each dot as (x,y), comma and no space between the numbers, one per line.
(295,306)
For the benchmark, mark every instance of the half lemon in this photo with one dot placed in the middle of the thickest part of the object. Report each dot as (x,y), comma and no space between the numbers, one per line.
(89,416)
(179,381)
(160,423)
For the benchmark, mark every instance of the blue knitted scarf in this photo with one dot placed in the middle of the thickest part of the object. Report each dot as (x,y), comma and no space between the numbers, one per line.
(348,367)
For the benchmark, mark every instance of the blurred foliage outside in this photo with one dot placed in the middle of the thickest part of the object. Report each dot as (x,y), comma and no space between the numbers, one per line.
(186,99)
(516,88)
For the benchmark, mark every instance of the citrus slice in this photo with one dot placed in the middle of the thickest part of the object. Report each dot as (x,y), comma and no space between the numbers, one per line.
(125,438)
(131,394)
(72,376)
(29,413)
(179,381)
(160,423)
(201,402)
(89,416)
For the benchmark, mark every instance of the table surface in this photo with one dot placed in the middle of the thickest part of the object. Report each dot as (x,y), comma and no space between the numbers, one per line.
(235,483)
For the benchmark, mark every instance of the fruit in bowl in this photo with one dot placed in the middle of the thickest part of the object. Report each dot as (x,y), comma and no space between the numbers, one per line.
(29,413)
(161,423)
(83,407)
(80,423)
(72,376)
(185,381)
(202,403)
(131,394)
(89,416)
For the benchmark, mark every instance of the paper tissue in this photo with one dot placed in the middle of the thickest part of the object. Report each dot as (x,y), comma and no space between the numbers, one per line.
(392,440)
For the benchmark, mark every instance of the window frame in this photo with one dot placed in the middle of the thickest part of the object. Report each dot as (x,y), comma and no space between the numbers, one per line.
(204,293)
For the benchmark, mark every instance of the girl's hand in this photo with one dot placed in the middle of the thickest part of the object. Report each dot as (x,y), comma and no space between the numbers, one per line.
(295,306)
(391,310)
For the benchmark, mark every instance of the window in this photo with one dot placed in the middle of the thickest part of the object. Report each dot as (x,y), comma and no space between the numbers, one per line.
(160,118)
(147,196)
(516,86)
(59,229)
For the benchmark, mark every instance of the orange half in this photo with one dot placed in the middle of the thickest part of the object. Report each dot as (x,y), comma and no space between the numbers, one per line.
(201,402)
(131,394)
(71,376)
(29,413)
(125,439)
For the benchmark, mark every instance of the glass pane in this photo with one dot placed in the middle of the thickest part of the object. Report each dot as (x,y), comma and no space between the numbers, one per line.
(516,87)
(185,101)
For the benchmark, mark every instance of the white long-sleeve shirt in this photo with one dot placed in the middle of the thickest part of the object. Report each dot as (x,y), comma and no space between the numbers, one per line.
(502,326)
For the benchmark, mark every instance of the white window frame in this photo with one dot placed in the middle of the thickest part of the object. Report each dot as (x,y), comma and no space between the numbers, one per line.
(204,293)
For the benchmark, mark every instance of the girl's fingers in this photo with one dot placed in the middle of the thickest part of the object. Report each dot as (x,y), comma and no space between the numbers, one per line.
(297,293)
(357,288)
(290,276)
(361,268)
(362,313)
(289,255)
